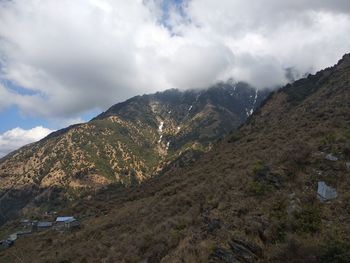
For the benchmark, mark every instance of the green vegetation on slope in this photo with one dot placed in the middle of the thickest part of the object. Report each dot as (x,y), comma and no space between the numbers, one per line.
(213,210)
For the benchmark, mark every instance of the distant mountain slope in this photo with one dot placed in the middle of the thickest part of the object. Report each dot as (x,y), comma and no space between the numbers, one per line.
(252,198)
(130,142)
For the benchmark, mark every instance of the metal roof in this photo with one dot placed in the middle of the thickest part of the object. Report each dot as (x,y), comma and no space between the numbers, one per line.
(12,237)
(70,220)
(44,224)
(64,218)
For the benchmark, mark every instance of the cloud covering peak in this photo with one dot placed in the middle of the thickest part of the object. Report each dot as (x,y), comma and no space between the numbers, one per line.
(67,57)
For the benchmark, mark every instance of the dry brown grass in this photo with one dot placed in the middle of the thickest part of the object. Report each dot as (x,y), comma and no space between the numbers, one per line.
(195,213)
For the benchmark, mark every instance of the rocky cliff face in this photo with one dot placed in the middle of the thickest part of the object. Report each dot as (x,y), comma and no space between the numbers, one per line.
(129,143)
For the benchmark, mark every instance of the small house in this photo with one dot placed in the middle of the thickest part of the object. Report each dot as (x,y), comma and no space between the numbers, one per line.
(26,223)
(12,237)
(71,224)
(24,232)
(43,225)
(6,243)
(66,223)
(63,219)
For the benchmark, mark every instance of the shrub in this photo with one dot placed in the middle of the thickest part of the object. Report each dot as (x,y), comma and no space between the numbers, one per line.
(308,220)
(279,232)
(256,188)
(258,166)
(279,220)
(296,251)
(328,139)
(234,137)
(335,251)
(180,227)
(297,154)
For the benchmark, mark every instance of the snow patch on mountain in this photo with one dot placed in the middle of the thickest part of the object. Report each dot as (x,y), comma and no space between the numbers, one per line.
(160,128)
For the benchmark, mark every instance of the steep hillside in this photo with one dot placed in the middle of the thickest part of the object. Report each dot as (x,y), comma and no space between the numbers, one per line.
(130,142)
(252,198)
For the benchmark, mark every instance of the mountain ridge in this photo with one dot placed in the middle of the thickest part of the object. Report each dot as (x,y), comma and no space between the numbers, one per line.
(130,142)
(252,198)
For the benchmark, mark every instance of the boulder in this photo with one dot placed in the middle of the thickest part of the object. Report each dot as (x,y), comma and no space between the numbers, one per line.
(245,251)
(331,157)
(223,255)
(325,192)
(239,251)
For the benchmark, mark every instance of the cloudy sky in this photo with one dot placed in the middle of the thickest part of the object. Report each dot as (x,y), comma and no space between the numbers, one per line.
(61,62)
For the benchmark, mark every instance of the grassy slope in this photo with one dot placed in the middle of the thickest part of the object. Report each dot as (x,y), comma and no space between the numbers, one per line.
(257,186)
(120,146)
(122,143)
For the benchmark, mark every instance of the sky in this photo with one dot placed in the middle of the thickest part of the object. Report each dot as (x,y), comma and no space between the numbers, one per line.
(63,62)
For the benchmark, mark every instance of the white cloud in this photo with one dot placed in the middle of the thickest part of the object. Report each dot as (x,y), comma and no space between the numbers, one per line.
(16,138)
(74,56)
(5,97)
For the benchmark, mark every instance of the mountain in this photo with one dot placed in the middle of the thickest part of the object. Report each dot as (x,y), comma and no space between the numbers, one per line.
(129,143)
(251,198)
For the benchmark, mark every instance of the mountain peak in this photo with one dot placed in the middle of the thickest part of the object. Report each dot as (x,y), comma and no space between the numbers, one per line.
(130,142)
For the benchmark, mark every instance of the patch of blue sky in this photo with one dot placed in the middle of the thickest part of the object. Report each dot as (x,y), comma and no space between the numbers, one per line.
(168,6)
(11,86)
(11,118)
(87,116)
